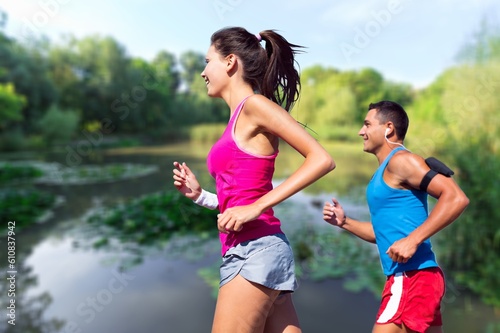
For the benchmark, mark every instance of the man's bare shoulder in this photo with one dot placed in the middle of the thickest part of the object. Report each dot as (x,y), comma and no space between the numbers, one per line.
(405,164)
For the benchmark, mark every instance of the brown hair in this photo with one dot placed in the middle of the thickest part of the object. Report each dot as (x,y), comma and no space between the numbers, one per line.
(392,111)
(271,70)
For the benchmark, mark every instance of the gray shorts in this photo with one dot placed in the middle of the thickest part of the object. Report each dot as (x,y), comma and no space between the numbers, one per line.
(267,261)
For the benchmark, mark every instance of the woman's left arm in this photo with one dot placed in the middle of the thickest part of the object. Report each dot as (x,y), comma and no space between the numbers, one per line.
(317,163)
(271,118)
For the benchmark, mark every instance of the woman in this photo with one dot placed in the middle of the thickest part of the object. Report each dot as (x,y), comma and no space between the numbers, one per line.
(257,273)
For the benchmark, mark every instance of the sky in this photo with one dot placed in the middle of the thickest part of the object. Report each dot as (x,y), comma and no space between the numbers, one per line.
(407,41)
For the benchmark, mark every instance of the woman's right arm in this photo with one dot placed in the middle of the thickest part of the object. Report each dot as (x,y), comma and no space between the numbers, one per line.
(185,181)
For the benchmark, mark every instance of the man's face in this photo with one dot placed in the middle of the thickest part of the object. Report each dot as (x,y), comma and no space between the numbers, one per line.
(372,132)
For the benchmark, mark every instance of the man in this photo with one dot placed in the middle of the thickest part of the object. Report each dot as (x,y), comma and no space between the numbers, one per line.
(400,224)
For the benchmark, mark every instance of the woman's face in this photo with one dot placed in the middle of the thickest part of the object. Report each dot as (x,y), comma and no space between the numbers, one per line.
(215,72)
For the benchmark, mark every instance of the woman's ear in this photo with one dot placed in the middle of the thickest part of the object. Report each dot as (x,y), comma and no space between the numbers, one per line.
(231,62)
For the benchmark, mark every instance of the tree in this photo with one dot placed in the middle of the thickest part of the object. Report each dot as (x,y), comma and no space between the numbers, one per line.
(64,72)
(27,69)
(101,64)
(58,126)
(324,100)
(11,105)
(193,64)
(470,103)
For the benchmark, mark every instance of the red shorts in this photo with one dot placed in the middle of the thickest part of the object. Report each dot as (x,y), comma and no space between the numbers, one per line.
(413,298)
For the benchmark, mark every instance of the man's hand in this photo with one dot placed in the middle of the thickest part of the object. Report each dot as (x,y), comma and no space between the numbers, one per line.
(334,214)
(402,250)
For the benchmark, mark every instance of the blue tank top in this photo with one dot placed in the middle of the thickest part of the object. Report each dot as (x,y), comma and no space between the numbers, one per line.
(395,213)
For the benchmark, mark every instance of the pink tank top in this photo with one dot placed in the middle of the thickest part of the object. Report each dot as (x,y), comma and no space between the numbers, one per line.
(240,179)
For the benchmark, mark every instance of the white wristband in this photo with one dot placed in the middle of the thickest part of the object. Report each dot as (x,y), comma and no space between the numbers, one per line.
(207,199)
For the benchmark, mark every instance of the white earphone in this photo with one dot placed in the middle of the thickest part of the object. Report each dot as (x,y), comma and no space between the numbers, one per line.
(387,130)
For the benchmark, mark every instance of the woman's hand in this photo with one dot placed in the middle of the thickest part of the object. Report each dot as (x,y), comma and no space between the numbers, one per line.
(185,181)
(233,218)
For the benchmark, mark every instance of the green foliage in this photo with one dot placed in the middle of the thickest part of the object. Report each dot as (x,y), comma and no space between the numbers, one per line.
(461,106)
(367,85)
(471,245)
(155,218)
(11,105)
(206,132)
(427,107)
(12,140)
(193,64)
(27,69)
(470,102)
(401,93)
(24,206)
(329,132)
(127,95)
(325,102)
(323,254)
(64,72)
(333,98)
(58,126)
(95,75)
(196,107)
(90,74)
(9,173)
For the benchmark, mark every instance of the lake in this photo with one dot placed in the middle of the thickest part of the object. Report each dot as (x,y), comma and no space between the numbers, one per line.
(64,284)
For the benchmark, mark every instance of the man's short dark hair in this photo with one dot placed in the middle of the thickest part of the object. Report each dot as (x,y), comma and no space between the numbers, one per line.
(393,112)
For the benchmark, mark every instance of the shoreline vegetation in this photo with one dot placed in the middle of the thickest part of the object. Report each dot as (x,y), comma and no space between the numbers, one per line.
(123,222)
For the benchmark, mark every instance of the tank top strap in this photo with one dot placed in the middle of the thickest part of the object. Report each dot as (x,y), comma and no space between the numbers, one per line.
(237,111)
(388,158)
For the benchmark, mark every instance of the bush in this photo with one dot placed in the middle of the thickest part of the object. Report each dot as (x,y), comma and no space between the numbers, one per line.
(12,140)
(58,126)
(471,244)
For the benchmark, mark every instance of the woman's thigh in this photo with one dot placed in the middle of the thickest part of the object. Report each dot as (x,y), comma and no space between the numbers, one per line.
(283,317)
(243,306)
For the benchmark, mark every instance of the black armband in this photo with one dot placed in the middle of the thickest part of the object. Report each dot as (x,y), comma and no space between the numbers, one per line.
(436,167)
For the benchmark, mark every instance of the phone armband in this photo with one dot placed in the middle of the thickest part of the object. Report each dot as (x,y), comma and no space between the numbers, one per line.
(437,167)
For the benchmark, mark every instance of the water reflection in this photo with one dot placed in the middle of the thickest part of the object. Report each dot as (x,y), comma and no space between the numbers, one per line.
(93,295)
(68,286)
(23,304)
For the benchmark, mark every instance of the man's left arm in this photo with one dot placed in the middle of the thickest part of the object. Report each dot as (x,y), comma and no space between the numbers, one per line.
(451,202)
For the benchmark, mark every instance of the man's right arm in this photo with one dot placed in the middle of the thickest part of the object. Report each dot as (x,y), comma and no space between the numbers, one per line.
(363,230)
(334,214)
